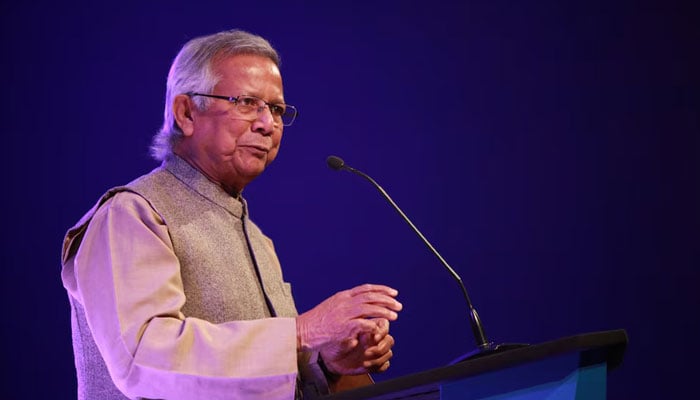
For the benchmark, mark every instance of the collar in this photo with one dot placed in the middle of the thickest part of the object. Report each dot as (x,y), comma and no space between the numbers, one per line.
(199,183)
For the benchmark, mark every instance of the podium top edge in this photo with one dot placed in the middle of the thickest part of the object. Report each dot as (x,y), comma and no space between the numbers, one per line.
(594,347)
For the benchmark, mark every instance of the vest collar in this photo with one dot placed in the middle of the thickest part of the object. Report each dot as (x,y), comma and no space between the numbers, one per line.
(196,181)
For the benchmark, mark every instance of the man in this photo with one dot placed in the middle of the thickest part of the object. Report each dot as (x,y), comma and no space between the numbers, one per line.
(174,292)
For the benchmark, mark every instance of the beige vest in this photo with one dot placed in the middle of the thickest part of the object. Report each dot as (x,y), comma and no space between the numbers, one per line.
(218,247)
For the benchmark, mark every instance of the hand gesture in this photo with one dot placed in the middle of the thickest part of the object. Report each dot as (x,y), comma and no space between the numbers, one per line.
(350,329)
(370,353)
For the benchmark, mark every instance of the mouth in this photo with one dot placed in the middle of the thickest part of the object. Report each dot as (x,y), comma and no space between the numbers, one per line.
(257,148)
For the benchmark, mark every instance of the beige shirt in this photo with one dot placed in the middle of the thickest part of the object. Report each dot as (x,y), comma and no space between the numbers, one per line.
(125,275)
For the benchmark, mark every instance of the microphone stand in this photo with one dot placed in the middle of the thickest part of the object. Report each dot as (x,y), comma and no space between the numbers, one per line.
(483,345)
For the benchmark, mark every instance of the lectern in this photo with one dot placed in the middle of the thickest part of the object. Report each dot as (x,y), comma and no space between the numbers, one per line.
(573,367)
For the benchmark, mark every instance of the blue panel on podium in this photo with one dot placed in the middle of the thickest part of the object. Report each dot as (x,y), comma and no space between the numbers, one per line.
(557,378)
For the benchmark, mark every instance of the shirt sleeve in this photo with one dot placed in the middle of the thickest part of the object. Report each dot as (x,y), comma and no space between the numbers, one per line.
(127,278)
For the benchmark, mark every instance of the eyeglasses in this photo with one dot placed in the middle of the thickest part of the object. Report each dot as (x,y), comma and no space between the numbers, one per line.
(249,106)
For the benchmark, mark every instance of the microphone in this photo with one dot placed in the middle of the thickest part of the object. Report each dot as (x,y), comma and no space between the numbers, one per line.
(484,346)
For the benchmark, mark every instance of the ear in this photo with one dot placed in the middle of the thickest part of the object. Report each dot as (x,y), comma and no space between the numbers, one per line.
(183,112)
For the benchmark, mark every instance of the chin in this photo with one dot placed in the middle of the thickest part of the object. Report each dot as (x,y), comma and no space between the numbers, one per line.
(253,172)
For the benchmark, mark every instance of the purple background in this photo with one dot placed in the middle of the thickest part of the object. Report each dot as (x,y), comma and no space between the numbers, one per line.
(549,152)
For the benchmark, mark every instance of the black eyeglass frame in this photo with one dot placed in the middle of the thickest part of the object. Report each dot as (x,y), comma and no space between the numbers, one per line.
(234,99)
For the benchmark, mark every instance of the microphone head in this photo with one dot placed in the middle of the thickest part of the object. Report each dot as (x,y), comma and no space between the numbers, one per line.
(335,163)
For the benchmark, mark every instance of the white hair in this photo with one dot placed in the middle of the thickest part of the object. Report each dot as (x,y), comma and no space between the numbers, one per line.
(191,71)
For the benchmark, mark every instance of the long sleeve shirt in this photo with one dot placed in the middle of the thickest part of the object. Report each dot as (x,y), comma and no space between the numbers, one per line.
(177,290)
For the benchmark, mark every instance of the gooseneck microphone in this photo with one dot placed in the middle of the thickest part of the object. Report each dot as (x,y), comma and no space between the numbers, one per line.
(483,345)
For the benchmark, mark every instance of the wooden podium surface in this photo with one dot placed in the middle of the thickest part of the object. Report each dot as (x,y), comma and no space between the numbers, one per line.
(606,347)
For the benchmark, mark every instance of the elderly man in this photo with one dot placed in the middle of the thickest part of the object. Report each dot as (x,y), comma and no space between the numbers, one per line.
(175,293)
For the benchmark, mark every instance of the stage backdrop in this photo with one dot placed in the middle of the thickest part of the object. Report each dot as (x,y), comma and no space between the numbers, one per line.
(548,151)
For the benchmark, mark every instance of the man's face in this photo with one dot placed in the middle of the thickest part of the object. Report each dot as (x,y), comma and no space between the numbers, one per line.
(227,147)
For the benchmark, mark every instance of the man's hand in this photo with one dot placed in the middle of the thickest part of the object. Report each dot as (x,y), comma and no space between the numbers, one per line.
(351,329)
(371,353)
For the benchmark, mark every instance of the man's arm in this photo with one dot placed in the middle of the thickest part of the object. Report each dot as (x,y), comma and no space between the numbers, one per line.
(127,279)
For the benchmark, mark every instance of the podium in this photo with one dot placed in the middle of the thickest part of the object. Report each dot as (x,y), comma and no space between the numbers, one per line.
(573,367)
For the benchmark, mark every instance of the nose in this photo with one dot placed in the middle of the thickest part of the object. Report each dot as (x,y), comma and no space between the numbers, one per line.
(264,122)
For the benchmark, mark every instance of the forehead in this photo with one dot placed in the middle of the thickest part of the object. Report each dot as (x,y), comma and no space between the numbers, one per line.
(248,72)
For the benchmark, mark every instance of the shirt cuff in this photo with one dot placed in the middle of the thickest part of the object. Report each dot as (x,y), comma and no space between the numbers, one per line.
(314,375)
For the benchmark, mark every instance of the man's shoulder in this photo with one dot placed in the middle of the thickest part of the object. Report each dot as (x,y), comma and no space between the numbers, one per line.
(154,177)
(128,193)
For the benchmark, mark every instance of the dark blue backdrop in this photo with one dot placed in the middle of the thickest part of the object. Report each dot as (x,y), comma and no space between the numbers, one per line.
(549,151)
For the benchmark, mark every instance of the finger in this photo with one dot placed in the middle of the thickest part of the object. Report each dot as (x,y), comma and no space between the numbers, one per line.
(382,323)
(361,326)
(380,300)
(351,307)
(383,326)
(383,367)
(347,345)
(374,311)
(370,312)
(381,347)
(368,287)
(379,368)
(372,340)
(374,297)
(379,361)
